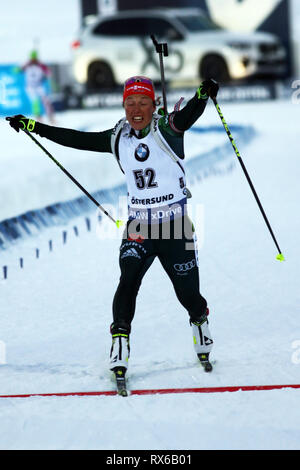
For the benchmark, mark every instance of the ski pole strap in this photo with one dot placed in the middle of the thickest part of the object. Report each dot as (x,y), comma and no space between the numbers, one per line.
(28,124)
(202,95)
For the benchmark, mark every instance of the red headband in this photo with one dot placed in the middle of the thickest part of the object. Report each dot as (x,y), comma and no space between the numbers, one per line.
(139,86)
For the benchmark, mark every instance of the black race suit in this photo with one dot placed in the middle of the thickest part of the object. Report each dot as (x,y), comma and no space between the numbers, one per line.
(137,254)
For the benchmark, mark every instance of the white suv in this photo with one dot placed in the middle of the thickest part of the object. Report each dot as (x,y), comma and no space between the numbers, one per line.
(118,46)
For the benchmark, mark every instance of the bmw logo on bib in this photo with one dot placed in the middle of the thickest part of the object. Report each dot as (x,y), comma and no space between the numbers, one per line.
(141,152)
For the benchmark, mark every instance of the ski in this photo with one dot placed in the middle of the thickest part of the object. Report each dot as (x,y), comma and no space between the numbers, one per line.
(119,373)
(205,362)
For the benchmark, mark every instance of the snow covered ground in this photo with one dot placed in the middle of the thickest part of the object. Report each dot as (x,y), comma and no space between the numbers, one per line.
(56,311)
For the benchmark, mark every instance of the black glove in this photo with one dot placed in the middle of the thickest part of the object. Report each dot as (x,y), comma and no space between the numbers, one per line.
(208,88)
(161,111)
(21,122)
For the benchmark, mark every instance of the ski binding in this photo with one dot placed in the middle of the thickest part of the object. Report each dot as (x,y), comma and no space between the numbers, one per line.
(119,373)
(204,361)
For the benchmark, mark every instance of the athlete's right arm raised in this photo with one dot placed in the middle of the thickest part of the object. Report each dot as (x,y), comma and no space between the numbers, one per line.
(93,141)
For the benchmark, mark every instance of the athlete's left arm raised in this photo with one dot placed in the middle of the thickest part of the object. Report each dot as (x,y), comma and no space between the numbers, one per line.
(182,120)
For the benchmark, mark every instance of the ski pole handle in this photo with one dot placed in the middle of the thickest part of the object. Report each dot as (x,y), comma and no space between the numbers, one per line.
(162,50)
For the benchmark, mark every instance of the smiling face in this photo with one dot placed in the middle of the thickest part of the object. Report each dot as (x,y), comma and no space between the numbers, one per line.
(139,110)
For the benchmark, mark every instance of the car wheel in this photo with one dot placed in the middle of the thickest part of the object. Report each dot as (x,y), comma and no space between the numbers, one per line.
(100,76)
(214,66)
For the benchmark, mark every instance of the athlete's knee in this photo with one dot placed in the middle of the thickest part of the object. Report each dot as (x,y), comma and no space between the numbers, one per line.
(128,287)
(194,303)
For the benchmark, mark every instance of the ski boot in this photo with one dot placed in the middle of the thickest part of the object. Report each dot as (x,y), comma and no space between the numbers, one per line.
(202,340)
(119,355)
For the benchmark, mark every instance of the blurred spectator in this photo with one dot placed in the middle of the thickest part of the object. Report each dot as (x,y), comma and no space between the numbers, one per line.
(36,75)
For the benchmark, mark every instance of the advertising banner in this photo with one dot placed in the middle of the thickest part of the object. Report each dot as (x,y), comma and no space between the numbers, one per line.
(14,97)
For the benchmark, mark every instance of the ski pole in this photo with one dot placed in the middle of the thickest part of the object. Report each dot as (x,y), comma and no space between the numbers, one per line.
(162,50)
(280,256)
(118,223)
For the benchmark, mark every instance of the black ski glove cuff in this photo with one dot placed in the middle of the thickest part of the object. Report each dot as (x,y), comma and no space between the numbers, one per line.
(21,122)
(208,88)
